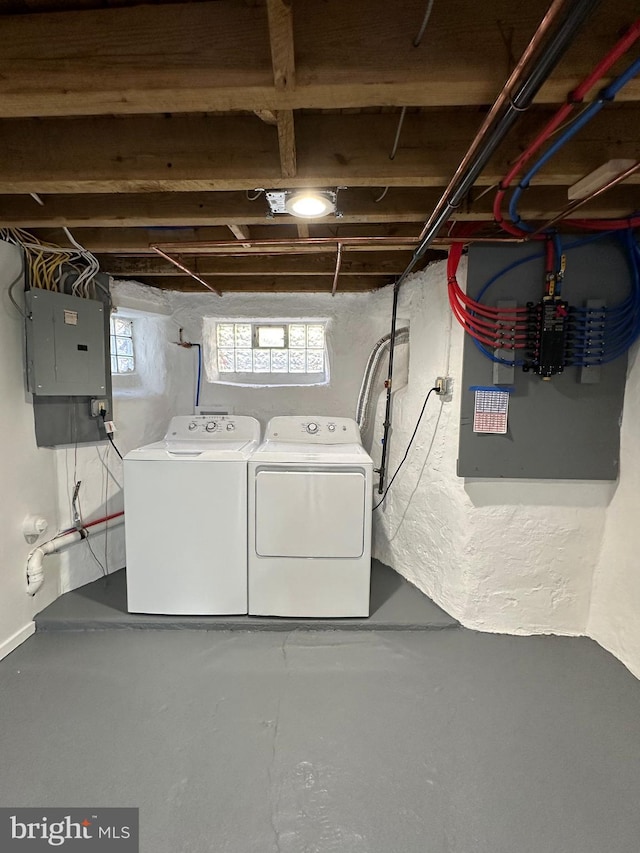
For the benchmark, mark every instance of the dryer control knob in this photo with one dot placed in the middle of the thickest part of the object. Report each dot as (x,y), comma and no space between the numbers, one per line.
(231,427)
(193,425)
(331,427)
(312,428)
(211,426)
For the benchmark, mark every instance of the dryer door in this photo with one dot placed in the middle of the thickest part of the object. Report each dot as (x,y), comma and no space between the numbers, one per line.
(317,513)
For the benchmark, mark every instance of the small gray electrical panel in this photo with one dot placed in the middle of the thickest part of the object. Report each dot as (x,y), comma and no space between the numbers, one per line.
(65,344)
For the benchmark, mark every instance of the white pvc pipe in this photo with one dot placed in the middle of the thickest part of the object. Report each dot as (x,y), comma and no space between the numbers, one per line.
(35,568)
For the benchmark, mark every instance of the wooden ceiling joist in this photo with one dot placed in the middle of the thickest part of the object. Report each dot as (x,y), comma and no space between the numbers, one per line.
(196,153)
(269,284)
(213,56)
(357,264)
(138,241)
(240,232)
(280,18)
(287,144)
(233,209)
(152,124)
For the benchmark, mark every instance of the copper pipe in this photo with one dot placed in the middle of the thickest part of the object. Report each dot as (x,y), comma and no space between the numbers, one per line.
(186,270)
(304,245)
(322,243)
(337,272)
(505,96)
(582,201)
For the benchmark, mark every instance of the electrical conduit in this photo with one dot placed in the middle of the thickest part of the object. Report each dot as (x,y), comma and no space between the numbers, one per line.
(370,372)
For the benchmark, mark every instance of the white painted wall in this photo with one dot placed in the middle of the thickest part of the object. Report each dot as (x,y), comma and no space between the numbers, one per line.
(164,386)
(356,323)
(505,556)
(614,619)
(143,404)
(27,473)
(513,556)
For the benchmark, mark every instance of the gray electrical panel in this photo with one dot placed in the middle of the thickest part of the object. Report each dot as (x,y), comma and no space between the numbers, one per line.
(65,344)
(564,428)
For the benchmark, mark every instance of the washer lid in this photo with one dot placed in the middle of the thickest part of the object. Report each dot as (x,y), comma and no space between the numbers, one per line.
(200,451)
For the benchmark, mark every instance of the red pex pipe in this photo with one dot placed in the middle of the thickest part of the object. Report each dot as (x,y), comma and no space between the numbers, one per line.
(103,519)
(500,315)
(89,524)
(494,343)
(574,97)
(493,335)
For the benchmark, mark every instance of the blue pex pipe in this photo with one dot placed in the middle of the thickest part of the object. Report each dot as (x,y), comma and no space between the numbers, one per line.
(607,94)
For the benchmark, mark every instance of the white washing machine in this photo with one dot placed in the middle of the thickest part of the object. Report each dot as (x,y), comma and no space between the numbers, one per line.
(310,495)
(185,501)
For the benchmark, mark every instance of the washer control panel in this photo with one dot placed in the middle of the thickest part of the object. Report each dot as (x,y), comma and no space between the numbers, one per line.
(313,430)
(213,428)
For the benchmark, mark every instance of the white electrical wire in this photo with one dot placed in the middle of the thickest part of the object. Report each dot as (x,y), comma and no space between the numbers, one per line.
(48,274)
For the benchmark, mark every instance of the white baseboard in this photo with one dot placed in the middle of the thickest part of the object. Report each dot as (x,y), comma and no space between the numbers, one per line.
(17,639)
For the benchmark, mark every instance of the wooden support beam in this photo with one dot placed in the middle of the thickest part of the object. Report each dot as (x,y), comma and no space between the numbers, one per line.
(267,116)
(266,284)
(200,153)
(358,206)
(214,56)
(280,16)
(240,232)
(287,144)
(138,241)
(354,264)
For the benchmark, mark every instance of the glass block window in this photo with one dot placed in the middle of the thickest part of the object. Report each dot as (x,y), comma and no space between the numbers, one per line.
(266,352)
(122,354)
(270,347)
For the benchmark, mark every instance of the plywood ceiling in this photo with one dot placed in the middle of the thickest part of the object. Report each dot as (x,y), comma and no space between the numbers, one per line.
(137,124)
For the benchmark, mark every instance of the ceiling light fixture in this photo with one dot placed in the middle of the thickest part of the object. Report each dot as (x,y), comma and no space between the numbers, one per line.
(310,204)
(303,204)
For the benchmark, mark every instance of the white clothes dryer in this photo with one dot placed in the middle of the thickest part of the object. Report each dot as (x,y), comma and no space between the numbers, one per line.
(310,496)
(185,502)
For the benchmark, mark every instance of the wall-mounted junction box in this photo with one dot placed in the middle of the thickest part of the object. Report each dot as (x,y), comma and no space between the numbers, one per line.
(65,344)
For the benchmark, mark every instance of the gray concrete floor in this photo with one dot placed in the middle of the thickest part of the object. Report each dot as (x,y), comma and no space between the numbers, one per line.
(102,605)
(329,742)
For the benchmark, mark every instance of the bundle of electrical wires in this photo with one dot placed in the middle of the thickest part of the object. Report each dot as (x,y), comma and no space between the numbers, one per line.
(48,266)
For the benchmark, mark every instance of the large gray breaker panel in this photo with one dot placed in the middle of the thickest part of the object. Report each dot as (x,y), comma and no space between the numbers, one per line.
(563,429)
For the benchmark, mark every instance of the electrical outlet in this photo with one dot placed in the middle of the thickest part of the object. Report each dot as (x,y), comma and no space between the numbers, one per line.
(443,386)
(98,407)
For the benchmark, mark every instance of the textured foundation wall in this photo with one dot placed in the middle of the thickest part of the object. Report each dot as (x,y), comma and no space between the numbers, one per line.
(503,556)
(26,471)
(143,404)
(614,619)
(500,555)
(164,386)
(356,322)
